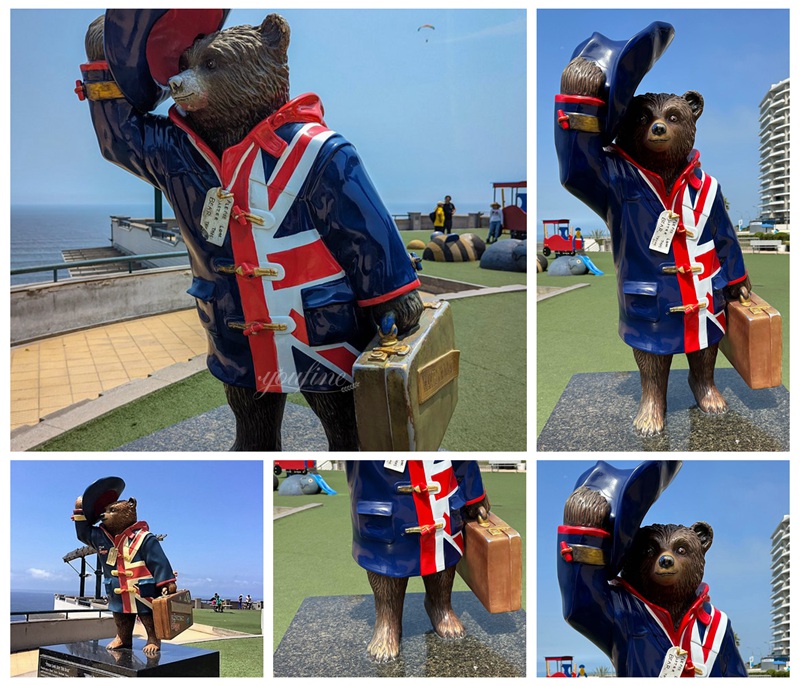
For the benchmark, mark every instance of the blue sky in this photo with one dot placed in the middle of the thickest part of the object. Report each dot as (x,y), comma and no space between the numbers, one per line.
(446,116)
(743,501)
(730,56)
(212,512)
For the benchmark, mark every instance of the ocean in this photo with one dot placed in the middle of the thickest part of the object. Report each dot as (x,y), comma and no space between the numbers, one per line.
(28,601)
(40,232)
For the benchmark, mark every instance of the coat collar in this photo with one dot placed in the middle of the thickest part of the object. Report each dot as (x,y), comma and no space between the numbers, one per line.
(129,532)
(306,108)
(690,174)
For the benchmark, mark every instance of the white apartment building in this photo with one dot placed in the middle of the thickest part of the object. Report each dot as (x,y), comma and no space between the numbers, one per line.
(780,592)
(774,152)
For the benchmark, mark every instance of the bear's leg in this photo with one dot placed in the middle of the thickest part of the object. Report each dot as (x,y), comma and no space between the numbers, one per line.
(258,418)
(438,588)
(654,373)
(124,637)
(153,645)
(337,412)
(389,594)
(701,380)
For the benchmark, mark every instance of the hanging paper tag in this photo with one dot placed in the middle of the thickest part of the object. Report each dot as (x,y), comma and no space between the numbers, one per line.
(665,229)
(674,662)
(395,465)
(216,215)
(112,557)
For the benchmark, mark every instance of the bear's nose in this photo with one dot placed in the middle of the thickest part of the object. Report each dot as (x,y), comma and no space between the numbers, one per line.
(659,129)
(175,83)
(665,561)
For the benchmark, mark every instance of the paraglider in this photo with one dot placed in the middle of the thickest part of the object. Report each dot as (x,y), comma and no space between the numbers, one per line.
(426,26)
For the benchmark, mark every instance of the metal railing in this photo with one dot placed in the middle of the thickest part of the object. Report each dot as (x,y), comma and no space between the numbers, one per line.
(67,613)
(129,259)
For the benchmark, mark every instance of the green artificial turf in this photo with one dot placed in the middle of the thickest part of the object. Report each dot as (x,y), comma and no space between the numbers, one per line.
(312,549)
(576,332)
(167,406)
(246,621)
(239,657)
(490,415)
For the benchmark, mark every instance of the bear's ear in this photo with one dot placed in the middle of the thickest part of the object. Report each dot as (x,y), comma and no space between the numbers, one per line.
(275,32)
(705,533)
(695,101)
(132,502)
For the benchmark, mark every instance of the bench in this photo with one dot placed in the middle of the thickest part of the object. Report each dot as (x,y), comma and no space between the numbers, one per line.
(497,465)
(759,245)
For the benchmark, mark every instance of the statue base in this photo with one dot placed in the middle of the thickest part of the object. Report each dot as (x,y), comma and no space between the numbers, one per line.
(596,413)
(328,637)
(91,659)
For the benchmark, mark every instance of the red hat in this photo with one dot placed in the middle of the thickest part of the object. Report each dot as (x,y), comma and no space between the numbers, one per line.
(143,48)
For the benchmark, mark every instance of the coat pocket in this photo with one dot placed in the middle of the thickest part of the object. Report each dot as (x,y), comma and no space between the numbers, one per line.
(375,521)
(330,312)
(641,300)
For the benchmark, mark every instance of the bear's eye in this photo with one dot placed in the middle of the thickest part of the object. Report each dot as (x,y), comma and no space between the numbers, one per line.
(211,64)
(642,118)
(673,118)
(650,551)
(681,550)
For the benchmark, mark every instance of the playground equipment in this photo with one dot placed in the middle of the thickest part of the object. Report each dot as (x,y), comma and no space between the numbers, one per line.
(590,265)
(293,466)
(559,239)
(515,214)
(563,666)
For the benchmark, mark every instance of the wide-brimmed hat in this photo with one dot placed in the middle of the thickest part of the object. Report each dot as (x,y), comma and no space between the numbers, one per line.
(143,48)
(100,495)
(631,493)
(624,64)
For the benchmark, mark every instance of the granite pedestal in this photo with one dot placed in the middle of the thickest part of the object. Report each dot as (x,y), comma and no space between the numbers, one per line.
(328,637)
(596,413)
(91,659)
(215,431)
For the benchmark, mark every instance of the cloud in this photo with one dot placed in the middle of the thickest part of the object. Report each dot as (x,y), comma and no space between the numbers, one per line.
(510,28)
(43,574)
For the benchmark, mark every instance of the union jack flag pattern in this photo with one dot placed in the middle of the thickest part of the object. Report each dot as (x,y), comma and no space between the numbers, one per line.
(409,522)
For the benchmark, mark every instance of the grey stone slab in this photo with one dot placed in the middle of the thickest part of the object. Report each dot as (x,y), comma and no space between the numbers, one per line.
(328,637)
(596,412)
(215,431)
(91,659)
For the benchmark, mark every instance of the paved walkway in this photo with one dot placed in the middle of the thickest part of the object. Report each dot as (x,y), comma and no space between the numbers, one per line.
(55,373)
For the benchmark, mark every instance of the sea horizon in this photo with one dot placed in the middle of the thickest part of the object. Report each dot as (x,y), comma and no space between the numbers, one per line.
(40,232)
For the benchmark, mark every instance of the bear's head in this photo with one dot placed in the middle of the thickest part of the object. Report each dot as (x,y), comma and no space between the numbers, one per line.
(658,131)
(665,564)
(232,79)
(119,516)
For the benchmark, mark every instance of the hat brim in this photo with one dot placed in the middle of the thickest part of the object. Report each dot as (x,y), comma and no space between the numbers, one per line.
(630,493)
(143,48)
(625,63)
(100,495)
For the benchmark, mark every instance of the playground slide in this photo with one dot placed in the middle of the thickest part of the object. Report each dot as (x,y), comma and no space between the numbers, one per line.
(321,482)
(590,265)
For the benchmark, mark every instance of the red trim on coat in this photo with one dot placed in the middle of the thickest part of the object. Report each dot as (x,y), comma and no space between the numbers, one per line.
(388,296)
(583,531)
(580,100)
(97,65)
(422,505)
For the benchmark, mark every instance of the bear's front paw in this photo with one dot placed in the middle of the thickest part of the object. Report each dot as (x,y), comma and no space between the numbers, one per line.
(583,77)
(94,40)
(407,309)
(587,507)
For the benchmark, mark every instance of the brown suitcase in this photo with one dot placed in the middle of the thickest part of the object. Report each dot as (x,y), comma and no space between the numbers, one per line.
(172,614)
(406,389)
(753,343)
(492,564)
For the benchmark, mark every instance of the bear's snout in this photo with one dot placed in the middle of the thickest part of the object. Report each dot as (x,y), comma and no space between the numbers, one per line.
(666,561)
(659,129)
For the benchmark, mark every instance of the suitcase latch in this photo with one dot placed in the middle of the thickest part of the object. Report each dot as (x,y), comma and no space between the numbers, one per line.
(389,344)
